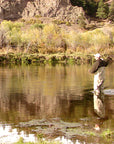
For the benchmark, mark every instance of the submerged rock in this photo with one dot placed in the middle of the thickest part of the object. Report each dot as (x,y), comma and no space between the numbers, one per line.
(55,128)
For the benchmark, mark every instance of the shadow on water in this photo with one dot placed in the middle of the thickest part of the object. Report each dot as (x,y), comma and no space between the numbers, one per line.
(55,101)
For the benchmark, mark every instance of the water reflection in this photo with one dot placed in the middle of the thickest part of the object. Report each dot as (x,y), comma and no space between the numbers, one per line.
(12,135)
(9,135)
(68,141)
(45,91)
(40,91)
(37,92)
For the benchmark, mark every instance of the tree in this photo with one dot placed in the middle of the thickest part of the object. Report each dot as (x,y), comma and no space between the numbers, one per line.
(89,6)
(111,12)
(103,10)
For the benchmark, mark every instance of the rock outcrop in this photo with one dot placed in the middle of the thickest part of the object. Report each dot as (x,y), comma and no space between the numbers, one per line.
(61,9)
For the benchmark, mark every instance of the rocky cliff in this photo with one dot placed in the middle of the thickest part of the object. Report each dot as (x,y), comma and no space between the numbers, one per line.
(61,9)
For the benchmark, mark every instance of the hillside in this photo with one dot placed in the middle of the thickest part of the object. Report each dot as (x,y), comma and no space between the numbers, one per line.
(61,9)
(70,11)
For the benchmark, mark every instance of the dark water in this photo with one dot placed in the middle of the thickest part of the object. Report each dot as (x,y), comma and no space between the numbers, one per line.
(37,92)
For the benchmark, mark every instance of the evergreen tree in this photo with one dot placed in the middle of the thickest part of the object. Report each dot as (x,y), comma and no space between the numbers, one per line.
(111,12)
(103,10)
(90,6)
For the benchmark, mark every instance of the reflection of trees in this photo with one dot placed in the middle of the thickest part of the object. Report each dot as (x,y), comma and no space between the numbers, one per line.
(43,91)
(74,109)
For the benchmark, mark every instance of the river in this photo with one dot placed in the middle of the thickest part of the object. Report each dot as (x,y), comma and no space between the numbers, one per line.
(31,92)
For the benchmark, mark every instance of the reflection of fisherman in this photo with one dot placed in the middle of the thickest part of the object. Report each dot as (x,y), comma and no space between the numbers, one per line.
(98,70)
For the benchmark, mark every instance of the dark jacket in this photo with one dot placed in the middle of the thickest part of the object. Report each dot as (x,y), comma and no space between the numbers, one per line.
(99,63)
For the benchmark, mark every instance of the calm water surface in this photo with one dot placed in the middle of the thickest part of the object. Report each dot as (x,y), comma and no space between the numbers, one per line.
(38,92)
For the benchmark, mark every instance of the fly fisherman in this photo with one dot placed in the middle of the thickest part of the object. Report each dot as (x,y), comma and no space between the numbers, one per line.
(99,76)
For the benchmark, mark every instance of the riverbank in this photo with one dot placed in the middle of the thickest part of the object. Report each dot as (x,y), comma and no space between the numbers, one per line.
(63,58)
(19,58)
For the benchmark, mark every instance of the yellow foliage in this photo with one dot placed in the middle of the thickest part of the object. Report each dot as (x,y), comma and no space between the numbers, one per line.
(51,36)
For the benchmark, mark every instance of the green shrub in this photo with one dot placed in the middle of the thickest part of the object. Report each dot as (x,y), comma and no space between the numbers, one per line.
(68,23)
(33,21)
(74,40)
(59,22)
(50,34)
(10,33)
(99,39)
(14,37)
(9,25)
(111,12)
(3,40)
(81,21)
(30,39)
(107,133)
(103,10)
(36,25)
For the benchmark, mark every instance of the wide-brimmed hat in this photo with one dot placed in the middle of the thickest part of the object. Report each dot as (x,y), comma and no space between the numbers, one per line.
(97,55)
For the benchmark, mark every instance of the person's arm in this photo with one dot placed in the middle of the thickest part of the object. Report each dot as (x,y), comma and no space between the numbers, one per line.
(108,61)
(94,67)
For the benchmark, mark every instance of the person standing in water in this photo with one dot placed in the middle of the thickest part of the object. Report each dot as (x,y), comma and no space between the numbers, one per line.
(98,69)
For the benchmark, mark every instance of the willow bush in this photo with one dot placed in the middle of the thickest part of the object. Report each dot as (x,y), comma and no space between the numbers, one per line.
(50,35)
(97,39)
(100,41)
(74,40)
(30,40)
(14,37)
(51,38)
(85,39)
(11,32)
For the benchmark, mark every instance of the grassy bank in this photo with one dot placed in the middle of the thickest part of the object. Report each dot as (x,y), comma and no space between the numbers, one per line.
(61,58)
(20,58)
(33,36)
